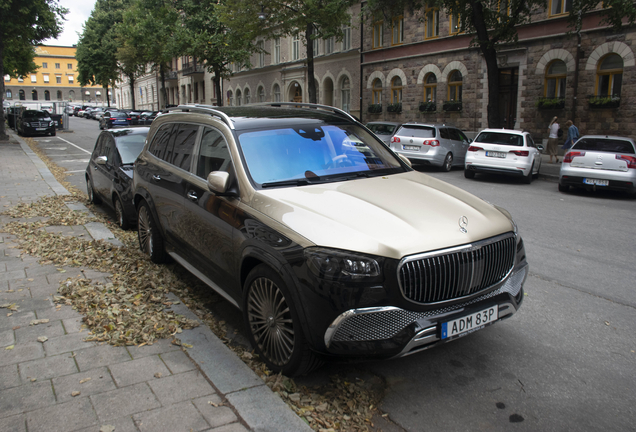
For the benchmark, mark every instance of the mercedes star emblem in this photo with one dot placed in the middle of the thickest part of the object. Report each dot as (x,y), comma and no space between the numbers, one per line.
(463,224)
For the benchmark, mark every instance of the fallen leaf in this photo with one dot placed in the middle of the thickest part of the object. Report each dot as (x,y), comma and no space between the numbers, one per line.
(10,347)
(34,379)
(75,393)
(39,321)
(42,339)
(82,381)
(607,323)
(186,345)
(107,428)
(213,404)
(15,328)
(158,375)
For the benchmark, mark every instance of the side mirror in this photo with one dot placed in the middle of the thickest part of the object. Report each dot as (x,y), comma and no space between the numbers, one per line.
(540,147)
(405,160)
(101,160)
(218,182)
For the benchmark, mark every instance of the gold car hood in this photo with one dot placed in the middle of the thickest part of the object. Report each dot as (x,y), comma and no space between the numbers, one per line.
(392,216)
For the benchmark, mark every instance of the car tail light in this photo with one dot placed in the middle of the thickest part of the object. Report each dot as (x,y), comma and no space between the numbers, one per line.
(112,118)
(395,139)
(432,143)
(524,153)
(474,148)
(571,155)
(631,160)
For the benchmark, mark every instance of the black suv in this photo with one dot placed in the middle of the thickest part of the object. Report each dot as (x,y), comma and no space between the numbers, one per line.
(35,122)
(330,243)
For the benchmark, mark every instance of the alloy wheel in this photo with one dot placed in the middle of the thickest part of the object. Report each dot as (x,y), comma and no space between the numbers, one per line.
(145,231)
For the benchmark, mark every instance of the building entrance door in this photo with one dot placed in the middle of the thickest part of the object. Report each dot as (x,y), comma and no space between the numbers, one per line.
(508,86)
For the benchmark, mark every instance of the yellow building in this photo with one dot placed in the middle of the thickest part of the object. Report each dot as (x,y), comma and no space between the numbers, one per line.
(55,80)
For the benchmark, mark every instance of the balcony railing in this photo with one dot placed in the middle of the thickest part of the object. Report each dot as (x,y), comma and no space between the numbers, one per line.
(192,69)
(171,75)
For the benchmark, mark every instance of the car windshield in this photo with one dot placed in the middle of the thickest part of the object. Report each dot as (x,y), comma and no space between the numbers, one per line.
(605,145)
(310,154)
(118,115)
(32,114)
(417,131)
(382,129)
(500,138)
(129,147)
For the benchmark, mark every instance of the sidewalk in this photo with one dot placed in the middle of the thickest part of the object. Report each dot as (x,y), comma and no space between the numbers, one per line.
(66,384)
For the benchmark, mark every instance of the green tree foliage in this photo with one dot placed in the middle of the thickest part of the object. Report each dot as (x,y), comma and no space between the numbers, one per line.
(23,25)
(204,37)
(314,19)
(97,47)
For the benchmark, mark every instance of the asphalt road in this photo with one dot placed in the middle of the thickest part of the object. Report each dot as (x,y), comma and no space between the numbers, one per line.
(565,362)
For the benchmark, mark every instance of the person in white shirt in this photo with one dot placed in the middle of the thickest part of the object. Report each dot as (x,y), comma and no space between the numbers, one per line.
(553,139)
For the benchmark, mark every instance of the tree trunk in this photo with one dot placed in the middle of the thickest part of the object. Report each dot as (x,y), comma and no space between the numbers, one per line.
(311,86)
(164,91)
(131,80)
(107,96)
(217,86)
(3,132)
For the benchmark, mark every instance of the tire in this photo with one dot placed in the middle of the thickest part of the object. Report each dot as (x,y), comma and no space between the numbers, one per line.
(120,215)
(90,190)
(150,239)
(448,162)
(564,188)
(273,325)
(469,174)
(528,179)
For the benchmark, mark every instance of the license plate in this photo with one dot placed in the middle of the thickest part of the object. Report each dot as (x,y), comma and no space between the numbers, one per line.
(470,322)
(412,148)
(40,129)
(596,182)
(496,154)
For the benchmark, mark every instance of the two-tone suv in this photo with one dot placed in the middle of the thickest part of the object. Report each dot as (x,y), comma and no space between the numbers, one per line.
(329,243)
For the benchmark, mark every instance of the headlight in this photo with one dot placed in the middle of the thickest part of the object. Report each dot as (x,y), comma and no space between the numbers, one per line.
(341,265)
(509,216)
(51,123)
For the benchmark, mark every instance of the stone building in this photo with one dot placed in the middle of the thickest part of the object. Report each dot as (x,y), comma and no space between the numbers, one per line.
(425,70)
(55,80)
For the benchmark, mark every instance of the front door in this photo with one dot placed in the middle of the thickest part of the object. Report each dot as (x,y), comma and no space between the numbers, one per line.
(508,86)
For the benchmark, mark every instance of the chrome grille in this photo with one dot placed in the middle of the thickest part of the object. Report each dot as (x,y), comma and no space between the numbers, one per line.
(458,272)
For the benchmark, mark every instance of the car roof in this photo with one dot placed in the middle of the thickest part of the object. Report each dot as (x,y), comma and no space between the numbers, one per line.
(614,137)
(435,125)
(508,131)
(384,122)
(128,131)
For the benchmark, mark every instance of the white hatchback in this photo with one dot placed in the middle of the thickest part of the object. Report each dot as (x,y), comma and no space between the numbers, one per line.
(504,151)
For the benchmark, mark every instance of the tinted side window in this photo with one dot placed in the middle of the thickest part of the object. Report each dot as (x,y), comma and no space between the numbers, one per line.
(184,140)
(461,135)
(108,149)
(98,146)
(443,133)
(160,142)
(530,141)
(214,154)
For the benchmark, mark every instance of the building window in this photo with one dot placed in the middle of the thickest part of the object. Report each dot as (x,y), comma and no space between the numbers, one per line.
(329,45)
(71,95)
(230,98)
(45,65)
(276,93)
(430,87)
(70,79)
(20,79)
(7,78)
(455,24)
(45,78)
(378,34)
(22,95)
(609,76)
(57,65)
(59,95)
(345,93)
(58,79)
(555,79)
(69,66)
(396,90)
(276,50)
(261,54)
(431,23)
(346,39)
(9,94)
(34,78)
(316,45)
(397,30)
(47,95)
(377,91)
(34,94)
(261,94)
(295,47)
(247,96)
(455,86)
(559,7)
(238,98)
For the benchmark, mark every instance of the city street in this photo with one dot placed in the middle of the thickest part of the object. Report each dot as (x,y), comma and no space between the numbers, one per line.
(565,361)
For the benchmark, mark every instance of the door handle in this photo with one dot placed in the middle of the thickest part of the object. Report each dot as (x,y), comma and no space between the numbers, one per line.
(156,178)
(192,196)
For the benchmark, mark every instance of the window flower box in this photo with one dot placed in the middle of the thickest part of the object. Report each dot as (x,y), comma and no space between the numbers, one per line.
(394,108)
(374,108)
(604,102)
(550,103)
(452,106)
(428,106)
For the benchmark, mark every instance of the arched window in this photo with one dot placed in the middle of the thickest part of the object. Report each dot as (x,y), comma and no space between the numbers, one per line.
(230,98)
(555,79)
(430,87)
(396,90)
(247,96)
(238,98)
(609,76)
(71,95)
(377,91)
(47,95)
(59,94)
(455,86)
(345,92)
(22,95)
(261,94)
(34,94)
(276,93)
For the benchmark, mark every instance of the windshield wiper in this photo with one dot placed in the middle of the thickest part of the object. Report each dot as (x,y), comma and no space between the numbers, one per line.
(292,182)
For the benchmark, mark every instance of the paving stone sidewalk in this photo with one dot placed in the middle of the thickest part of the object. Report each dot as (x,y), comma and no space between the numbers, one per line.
(67,384)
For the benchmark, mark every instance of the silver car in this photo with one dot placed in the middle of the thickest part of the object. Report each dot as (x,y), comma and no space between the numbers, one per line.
(384,130)
(431,144)
(600,162)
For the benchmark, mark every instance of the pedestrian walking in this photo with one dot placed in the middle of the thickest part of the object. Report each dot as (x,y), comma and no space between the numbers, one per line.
(573,135)
(553,139)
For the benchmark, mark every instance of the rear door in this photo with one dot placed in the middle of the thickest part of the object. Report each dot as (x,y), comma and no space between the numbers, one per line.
(103,174)
(460,145)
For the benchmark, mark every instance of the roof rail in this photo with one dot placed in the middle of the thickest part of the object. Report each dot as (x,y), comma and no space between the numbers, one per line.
(309,105)
(204,109)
